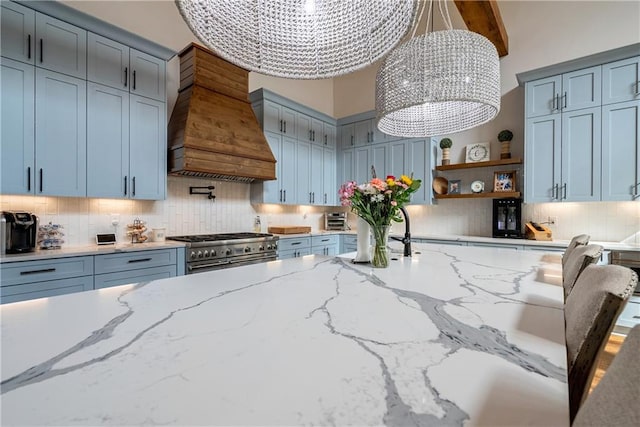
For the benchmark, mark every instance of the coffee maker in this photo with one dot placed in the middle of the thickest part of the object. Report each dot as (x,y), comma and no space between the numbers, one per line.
(507,218)
(19,232)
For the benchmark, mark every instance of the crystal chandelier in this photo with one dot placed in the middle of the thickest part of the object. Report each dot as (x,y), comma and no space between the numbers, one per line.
(438,83)
(300,39)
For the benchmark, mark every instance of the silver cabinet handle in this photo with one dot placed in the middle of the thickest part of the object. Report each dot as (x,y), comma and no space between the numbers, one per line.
(280,195)
(555,192)
(310,139)
(325,198)
(565,101)
(635,191)
(125,185)
(564,190)
(280,125)
(285,192)
(637,92)
(133,186)
(309,196)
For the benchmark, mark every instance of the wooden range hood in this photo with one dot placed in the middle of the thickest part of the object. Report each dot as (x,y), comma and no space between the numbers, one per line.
(213,131)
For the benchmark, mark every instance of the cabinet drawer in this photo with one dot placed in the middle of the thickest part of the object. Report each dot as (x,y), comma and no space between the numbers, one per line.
(293,253)
(135,276)
(348,239)
(45,289)
(349,248)
(295,243)
(113,263)
(331,239)
(18,273)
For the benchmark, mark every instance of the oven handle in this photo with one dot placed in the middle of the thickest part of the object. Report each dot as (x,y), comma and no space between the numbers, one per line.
(199,266)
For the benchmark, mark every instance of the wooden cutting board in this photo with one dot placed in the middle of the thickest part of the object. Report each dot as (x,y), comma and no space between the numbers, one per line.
(289,229)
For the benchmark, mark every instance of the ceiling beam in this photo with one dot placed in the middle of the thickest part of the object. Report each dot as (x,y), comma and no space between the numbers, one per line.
(483,17)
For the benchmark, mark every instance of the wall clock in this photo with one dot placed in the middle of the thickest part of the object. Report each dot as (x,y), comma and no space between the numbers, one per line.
(478,152)
(477,187)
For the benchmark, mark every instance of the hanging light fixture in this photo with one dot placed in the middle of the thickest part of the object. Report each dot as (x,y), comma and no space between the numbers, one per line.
(438,83)
(300,39)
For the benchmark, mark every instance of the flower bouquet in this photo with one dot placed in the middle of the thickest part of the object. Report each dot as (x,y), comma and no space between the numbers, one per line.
(378,202)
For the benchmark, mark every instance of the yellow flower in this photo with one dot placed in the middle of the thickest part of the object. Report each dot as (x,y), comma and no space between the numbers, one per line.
(406,180)
(391,182)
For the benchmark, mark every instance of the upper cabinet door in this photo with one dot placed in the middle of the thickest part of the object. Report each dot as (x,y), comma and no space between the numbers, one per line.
(621,151)
(581,89)
(620,81)
(147,75)
(542,96)
(303,124)
(347,136)
(18,32)
(581,155)
(107,142)
(543,152)
(16,124)
(107,62)
(147,148)
(61,47)
(61,134)
(329,138)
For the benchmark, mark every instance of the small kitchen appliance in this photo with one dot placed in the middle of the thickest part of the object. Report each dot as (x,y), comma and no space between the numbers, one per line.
(207,252)
(335,221)
(19,231)
(507,214)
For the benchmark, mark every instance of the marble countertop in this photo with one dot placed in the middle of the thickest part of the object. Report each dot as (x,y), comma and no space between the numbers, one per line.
(451,336)
(71,251)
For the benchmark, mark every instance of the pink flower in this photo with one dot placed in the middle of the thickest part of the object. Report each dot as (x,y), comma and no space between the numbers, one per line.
(378,184)
(394,203)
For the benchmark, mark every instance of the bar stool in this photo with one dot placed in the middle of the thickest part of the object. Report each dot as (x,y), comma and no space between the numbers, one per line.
(614,401)
(576,262)
(590,312)
(579,240)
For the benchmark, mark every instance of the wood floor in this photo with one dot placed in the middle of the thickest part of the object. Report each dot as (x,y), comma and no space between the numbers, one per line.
(611,349)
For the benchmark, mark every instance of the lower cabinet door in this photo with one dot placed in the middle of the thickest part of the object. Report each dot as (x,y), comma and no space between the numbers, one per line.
(46,289)
(134,276)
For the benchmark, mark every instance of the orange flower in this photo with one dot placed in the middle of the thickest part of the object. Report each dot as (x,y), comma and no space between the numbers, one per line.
(378,184)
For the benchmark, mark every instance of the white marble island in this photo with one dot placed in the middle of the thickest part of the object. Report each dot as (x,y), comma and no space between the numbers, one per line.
(451,336)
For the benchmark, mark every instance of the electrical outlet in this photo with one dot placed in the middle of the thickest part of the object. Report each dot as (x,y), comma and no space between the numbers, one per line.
(553,220)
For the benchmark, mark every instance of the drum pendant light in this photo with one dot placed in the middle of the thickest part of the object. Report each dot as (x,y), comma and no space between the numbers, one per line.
(300,39)
(438,83)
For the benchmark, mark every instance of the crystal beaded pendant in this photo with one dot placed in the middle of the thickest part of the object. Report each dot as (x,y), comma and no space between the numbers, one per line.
(300,39)
(438,83)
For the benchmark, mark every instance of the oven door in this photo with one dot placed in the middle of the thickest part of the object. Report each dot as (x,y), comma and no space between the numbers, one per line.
(629,259)
(236,261)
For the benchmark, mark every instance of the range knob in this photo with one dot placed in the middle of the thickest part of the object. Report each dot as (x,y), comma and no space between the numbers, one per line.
(213,253)
(199,254)
(268,247)
(206,253)
(193,254)
(261,248)
(228,252)
(247,249)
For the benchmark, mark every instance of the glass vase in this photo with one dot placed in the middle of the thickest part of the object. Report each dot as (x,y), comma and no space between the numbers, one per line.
(380,257)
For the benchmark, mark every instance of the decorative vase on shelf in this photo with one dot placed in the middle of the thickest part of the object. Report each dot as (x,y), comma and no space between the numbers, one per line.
(505,138)
(445,146)
(380,257)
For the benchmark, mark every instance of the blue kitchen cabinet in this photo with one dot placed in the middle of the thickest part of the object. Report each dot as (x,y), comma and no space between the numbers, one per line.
(347,136)
(309,129)
(366,132)
(26,280)
(316,175)
(327,244)
(61,47)
(567,92)
(293,247)
(134,267)
(621,81)
(147,148)
(362,164)
(379,160)
(329,138)
(107,142)
(542,173)
(282,190)
(621,151)
(108,62)
(17,147)
(148,75)
(329,174)
(346,166)
(17,25)
(279,119)
(420,161)
(581,155)
(303,173)
(61,135)
(121,67)
(397,160)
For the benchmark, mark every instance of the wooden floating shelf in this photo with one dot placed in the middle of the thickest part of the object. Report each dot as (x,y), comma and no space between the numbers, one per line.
(502,162)
(491,195)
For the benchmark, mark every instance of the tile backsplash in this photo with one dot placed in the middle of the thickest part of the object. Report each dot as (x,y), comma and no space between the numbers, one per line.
(182,213)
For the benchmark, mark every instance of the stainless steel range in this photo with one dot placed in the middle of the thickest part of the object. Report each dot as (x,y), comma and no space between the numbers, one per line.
(206,252)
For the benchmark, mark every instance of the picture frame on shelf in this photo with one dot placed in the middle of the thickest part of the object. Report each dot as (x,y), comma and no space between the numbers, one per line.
(454,186)
(504,181)
(478,152)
